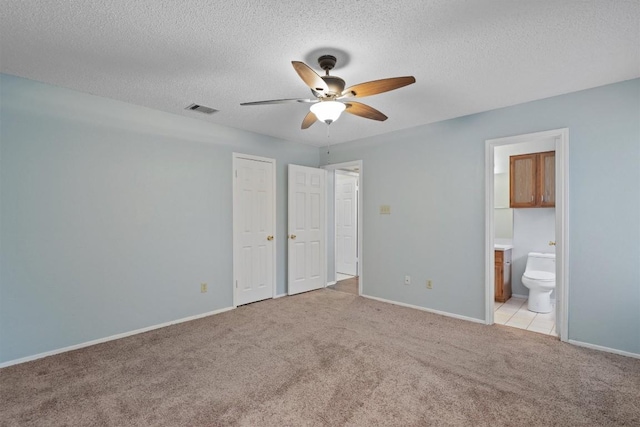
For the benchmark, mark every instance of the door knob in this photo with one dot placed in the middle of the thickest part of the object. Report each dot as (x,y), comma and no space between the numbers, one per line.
(269,238)
(552,243)
(292,236)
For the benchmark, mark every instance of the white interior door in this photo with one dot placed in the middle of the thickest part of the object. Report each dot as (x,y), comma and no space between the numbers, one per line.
(307,229)
(346,223)
(253,229)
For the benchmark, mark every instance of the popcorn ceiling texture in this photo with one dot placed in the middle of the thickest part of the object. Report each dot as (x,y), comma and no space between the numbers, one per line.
(467,57)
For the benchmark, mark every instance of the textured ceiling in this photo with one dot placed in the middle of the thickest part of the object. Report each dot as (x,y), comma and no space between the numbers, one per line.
(467,56)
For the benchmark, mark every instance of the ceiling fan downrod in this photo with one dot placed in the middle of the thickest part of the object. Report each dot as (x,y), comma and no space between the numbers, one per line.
(327,63)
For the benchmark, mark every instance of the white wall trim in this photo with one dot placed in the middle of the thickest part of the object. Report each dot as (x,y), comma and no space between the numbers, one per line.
(235,157)
(489,233)
(562,223)
(429,310)
(330,283)
(110,338)
(561,137)
(280,296)
(252,157)
(605,349)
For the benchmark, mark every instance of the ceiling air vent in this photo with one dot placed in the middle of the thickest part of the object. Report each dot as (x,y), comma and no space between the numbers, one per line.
(201,109)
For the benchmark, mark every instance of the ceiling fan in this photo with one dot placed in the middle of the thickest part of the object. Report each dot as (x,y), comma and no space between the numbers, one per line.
(329,92)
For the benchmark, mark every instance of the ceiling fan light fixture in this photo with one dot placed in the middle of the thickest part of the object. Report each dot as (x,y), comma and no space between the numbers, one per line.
(328,111)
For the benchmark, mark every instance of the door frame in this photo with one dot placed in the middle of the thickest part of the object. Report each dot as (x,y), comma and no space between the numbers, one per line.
(561,227)
(234,162)
(335,214)
(359,165)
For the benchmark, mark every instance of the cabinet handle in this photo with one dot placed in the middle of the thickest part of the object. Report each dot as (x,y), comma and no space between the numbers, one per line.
(532,198)
(542,198)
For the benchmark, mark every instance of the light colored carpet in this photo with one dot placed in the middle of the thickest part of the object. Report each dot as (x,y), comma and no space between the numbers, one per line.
(325,358)
(349,286)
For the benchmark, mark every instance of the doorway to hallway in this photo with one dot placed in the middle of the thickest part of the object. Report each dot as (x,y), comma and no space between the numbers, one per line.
(345,234)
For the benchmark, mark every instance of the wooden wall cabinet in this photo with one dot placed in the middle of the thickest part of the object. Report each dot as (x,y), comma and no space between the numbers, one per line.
(503,275)
(532,180)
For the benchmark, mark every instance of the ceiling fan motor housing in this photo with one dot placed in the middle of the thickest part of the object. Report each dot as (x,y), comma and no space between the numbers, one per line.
(336,85)
(327,62)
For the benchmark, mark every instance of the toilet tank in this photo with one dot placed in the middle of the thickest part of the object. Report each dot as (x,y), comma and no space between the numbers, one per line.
(541,262)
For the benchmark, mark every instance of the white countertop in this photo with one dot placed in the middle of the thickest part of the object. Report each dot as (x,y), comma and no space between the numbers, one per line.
(498,247)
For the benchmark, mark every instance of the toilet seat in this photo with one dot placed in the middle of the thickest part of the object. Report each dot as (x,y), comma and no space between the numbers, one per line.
(541,276)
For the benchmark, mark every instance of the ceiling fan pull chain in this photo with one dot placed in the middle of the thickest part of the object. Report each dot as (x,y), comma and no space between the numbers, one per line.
(328,147)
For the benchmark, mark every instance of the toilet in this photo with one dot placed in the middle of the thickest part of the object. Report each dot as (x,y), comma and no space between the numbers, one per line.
(540,277)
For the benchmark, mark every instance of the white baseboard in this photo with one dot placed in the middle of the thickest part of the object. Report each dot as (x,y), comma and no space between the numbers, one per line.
(474,320)
(330,283)
(280,296)
(417,307)
(519,296)
(606,349)
(110,338)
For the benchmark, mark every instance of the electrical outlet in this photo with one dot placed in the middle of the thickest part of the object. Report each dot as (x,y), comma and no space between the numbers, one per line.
(429,284)
(407,280)
(203,287)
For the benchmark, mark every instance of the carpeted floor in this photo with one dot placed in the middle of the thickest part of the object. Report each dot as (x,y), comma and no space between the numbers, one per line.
(325,358)
(349,286)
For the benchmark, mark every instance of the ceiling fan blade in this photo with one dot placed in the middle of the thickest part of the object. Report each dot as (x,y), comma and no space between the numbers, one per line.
(310,77)
(279,101)
(377,86)
(363,110)
(308,120)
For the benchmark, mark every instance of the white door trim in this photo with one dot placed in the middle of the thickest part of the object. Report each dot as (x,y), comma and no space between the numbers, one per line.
(562,221)
(359,165)
(237,156)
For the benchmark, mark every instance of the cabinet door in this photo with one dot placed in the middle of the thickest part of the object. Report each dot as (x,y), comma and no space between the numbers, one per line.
(506,281)
(499,296)
(522,181)
(547,179)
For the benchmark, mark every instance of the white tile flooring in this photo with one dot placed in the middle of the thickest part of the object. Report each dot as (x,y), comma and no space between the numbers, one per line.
(514,313)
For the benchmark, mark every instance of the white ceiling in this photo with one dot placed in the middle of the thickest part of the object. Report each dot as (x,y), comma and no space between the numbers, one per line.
(467,56)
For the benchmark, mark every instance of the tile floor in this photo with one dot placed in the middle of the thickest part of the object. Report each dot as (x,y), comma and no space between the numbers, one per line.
(514,313)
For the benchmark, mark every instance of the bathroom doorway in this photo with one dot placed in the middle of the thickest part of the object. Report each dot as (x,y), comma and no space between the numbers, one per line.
(513,233)
(345,233)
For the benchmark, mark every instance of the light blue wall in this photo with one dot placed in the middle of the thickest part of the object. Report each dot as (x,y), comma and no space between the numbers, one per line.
(112,215)
(433,178)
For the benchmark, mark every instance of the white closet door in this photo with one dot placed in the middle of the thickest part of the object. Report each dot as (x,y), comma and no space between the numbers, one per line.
(253,224)
(307,229)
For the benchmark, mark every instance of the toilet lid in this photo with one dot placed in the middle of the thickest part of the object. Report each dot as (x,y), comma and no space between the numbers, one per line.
(543,276)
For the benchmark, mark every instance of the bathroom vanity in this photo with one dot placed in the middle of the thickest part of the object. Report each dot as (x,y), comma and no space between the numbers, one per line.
(503,272)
